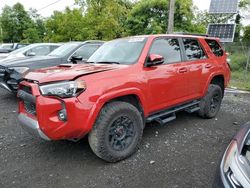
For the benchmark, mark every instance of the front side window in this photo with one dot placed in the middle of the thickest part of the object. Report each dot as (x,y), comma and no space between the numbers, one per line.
(169,48)
(193,50)
(52,48)
(122,51)
(86,51)
(215,47)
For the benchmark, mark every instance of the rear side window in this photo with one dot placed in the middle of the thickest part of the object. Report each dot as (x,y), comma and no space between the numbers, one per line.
(215,47)
(193,49)
(168,48)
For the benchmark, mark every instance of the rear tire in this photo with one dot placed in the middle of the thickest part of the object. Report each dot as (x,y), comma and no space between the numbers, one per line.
(117,131)
(210,104)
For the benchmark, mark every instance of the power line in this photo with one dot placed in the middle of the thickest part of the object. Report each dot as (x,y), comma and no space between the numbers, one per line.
(48,5)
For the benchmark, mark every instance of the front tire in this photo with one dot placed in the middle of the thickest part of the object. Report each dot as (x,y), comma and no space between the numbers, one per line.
(117,131)
(210,104)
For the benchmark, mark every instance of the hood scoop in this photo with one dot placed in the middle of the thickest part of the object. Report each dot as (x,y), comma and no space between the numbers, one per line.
(65,65)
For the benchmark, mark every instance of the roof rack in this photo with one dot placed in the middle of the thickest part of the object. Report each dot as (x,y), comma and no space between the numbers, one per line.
(194,34)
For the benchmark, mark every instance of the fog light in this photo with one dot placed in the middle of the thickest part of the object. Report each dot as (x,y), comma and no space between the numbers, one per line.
(62,115)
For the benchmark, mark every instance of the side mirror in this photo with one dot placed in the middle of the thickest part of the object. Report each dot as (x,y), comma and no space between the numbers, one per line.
(154,59)
(31,54)
(74,59)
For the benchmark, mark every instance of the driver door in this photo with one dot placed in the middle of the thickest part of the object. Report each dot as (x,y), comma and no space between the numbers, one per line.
(167,83)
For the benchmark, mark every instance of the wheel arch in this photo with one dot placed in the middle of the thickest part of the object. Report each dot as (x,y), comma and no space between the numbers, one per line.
(220,81)
(133,96)
(217,79)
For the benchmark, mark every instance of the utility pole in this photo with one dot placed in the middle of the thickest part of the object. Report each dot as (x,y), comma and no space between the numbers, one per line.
(171,16)
(1,34)
(248,60)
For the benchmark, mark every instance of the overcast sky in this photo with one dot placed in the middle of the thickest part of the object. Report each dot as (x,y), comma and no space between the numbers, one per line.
(61,4)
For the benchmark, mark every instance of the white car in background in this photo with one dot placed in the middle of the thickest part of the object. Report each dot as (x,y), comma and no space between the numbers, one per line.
(38,49)
(7,48)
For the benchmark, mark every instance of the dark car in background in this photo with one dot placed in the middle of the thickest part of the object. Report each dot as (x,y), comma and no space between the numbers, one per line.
(11,72)
(234,169)
(38,49)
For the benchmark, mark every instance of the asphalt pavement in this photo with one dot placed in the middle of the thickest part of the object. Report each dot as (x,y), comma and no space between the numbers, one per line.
(182,153)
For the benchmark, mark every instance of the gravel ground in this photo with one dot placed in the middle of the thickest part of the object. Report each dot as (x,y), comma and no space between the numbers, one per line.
(183,153)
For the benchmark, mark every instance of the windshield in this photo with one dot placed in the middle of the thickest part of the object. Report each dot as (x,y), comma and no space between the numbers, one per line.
(64,49)
(22,50)
(123,51)
(7,46)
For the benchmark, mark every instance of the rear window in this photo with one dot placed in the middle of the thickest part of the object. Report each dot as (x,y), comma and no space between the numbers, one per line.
(215,47)
(193,50)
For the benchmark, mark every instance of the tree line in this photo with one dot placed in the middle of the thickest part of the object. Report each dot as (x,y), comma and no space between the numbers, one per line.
(106,20)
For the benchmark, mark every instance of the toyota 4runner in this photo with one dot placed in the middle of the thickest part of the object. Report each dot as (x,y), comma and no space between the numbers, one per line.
(125,84)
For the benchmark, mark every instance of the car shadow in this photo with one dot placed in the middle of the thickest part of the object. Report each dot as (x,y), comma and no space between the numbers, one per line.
(76,152)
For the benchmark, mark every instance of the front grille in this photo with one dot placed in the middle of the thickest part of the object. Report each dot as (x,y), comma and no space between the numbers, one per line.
(30,107)
(27,89)
(13,83)
(25,94)
(2,73)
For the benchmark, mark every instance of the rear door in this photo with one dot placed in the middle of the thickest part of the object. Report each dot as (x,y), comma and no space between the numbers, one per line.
(198,64)
(167,83)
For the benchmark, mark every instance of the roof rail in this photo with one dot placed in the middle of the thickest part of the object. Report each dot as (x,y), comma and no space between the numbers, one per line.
(194,34)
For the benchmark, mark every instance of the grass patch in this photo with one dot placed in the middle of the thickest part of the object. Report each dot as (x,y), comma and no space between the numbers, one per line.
(240,80)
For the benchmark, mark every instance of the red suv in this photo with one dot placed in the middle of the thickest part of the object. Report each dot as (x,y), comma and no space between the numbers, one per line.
(125,84)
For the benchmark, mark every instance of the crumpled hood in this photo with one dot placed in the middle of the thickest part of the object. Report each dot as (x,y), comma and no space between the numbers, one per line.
(67,72)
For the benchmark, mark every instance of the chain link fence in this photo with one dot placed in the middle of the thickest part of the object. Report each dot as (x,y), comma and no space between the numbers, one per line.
(239,55)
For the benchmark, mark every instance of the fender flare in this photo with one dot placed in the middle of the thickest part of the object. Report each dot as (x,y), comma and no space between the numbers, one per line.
(102,100)
(211,78)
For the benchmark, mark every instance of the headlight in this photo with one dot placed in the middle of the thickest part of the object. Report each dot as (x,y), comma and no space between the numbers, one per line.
(230,156)
(20,70)
(64,89)
(231,167)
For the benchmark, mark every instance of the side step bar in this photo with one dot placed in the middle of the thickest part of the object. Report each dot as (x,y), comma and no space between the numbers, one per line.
(168,115)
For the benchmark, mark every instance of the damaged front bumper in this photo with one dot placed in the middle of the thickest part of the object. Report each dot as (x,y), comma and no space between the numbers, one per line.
(31,126)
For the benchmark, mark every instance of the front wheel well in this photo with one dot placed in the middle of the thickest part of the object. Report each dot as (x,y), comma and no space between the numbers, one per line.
(132,99)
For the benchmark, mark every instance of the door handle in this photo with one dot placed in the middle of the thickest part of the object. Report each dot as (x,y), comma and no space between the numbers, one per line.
(183,70)
(208,66)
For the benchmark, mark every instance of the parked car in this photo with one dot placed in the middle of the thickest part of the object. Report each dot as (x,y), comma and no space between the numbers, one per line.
(11,72)
(124,84)
(39,49)
(234,169)
(9,47)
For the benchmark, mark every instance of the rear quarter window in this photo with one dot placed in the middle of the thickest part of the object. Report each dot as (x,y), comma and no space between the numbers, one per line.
(215,47)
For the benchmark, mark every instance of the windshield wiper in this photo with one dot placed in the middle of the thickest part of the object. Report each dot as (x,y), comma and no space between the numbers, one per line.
(107,62)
